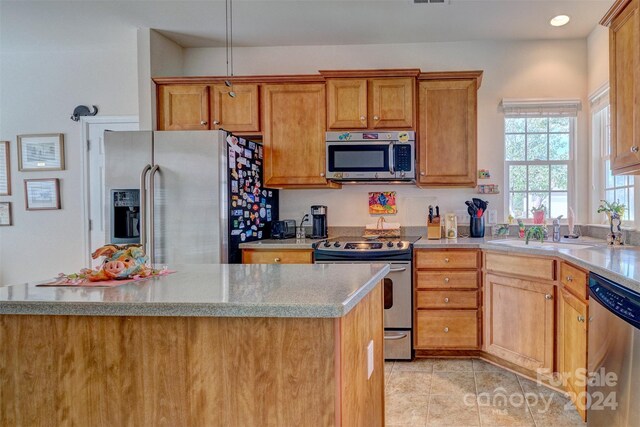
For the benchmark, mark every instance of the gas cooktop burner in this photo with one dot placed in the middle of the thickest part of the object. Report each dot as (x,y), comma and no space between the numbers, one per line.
(358,247)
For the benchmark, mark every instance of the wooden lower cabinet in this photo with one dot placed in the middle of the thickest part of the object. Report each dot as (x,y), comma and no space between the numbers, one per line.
(278,256)
(519,320)
(446,299)
(572,348)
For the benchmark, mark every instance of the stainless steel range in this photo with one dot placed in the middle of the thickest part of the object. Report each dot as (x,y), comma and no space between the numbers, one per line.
(398,288)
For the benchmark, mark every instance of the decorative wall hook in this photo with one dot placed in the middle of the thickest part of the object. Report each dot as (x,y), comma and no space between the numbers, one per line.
(83,110)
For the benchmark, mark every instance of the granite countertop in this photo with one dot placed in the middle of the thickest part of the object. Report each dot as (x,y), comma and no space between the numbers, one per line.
(280,244)
(222,290)
(620,264)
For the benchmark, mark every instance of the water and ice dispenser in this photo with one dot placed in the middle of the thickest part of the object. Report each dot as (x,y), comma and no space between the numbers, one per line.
(125,216)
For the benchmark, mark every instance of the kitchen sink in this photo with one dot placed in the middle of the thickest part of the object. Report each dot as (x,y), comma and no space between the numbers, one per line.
(536,244)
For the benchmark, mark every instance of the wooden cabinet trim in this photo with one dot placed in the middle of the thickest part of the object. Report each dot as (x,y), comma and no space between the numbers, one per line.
(389,72)
(291,78)
(613,12)
(452,75)
(537,268)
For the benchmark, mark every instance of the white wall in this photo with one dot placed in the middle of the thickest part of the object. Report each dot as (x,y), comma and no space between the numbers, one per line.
(38,91)
(597,58)
(537,69)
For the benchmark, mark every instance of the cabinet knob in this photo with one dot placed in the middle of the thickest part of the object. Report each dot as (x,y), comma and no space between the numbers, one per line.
(321,173)
(446,300)
(446,330)
(203,122)
(277,260)
(634,149)
(548,296)
(421,173)
(569,278)
(446,280)
(446,260)
(216,122)
(376,118)
(580,318)
(363,118)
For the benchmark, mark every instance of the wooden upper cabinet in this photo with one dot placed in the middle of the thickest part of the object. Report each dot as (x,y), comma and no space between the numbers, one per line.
(391,103)
(347,104)
(238,114)
(294,120)
(447,146)
(377,103)
(183,107)
(624,63)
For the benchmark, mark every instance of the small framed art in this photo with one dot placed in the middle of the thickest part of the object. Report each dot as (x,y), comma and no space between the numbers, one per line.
(43,152)
(42,194)
(5,214)
(5,169)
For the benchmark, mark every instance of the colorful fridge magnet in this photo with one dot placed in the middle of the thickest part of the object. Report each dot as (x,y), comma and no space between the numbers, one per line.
(382,203)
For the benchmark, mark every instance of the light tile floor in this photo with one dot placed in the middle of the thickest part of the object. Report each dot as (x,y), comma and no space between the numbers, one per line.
(469,392)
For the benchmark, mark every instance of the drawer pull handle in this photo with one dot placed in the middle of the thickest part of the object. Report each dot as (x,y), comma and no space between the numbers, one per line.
(363,118)
(394,336)
(396,270)
(580,318)
(548,296)
(446,280)
(446,329)
(216,122)
(376,118)
(277,260)
(634,149)
(446,300)
(569,278)
(446,260)
(203,122)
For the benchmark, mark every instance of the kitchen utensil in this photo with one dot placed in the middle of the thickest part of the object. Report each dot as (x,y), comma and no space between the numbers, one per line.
(430,214)
(438,211)
(479,213)
(471,211)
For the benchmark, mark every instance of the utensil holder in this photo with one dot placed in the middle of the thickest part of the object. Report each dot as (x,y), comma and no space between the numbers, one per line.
(434,232)
(476,227)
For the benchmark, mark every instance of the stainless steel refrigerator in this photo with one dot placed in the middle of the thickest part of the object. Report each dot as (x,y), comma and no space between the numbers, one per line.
(189,197)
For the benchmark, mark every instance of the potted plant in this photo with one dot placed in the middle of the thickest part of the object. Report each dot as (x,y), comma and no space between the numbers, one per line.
(539,210)
(614,212)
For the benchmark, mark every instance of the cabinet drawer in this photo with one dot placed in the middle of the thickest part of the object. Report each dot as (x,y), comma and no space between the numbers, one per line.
(446,259)
(250,256)
(446,280)
(447,299)
(574,279)
(536,268)
(446,329)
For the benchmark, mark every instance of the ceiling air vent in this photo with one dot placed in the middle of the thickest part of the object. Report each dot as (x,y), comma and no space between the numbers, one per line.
(433,1)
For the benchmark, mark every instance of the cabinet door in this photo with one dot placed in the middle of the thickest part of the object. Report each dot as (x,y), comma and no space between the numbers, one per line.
(391,103)
(447,148)
(347,103)
(238,114)
(294,130)
(183,107)
(624,55)
(572,347)
(519,321)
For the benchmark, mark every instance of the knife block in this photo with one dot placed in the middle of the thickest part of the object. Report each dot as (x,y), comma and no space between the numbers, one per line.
(434,231)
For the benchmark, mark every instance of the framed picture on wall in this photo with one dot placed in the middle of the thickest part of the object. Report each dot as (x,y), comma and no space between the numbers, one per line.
(5,169)
(43,152)
(42,194)
(5,213)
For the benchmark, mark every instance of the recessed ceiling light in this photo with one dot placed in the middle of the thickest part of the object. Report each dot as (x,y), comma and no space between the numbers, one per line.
(559,20)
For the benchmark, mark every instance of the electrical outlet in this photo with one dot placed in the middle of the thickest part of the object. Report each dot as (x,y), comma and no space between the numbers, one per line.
(493,216)
(462,216)
(370,359)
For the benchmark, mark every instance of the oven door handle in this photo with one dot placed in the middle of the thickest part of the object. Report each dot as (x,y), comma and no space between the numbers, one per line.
(392,163)
(395,270)
(395,335)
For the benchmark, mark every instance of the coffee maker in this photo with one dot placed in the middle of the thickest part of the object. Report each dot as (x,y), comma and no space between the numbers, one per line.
(319,222)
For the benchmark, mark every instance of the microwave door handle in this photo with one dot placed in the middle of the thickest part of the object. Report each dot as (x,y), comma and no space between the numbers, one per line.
(392,165)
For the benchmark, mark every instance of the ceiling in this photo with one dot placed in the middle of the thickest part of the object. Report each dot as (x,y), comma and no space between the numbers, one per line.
(197,23)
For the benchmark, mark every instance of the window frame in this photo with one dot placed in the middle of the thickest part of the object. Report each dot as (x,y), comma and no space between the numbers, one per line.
(570,163)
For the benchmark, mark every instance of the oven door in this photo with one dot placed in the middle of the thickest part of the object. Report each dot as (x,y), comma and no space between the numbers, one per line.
(360,160)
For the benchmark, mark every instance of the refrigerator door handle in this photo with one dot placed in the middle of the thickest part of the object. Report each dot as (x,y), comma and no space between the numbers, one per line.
(143,205)
(152,175)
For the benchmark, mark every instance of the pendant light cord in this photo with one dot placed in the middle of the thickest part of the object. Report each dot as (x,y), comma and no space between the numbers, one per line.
(228,13)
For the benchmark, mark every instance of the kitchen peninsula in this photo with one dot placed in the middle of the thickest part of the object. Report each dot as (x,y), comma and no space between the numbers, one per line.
(223,345)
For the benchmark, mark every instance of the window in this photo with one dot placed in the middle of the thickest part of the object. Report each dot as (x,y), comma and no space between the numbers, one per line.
(539,139)
(619,188)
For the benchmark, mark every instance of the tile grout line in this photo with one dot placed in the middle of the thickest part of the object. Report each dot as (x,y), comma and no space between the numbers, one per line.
(526,402)
(426,422)
(475,381)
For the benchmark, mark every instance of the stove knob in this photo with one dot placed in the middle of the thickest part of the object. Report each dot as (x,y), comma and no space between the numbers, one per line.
(336,245)
(400,244)
(390,244)
(327,244)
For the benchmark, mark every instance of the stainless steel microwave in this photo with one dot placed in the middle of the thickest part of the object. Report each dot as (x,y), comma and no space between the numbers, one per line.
(371,156)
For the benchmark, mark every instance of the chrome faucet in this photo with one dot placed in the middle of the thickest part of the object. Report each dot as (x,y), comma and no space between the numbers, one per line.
(556,229)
